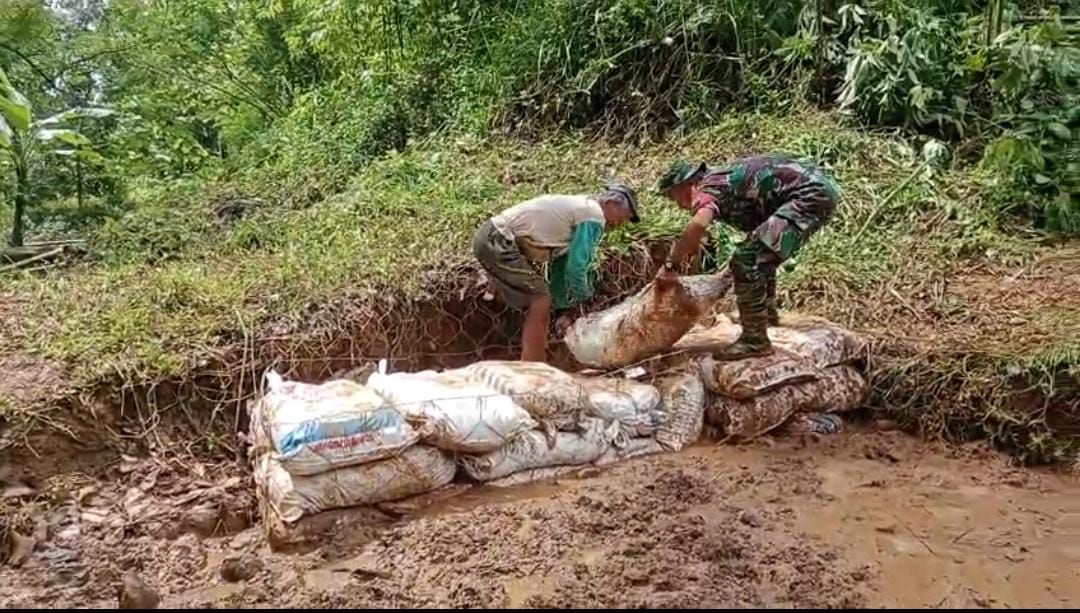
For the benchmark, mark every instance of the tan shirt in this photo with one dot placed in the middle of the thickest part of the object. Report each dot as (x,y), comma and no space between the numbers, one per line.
(543,227)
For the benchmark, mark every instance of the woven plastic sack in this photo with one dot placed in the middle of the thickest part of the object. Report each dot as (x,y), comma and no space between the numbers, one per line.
(747,378)
(813,423)
(289,497)
(531,450)
(839,389)
(636,406)
(684,400)
(316,428)
(645,324)
(824,342)
(554,398)
(452,413)
(634,448)
(711,338)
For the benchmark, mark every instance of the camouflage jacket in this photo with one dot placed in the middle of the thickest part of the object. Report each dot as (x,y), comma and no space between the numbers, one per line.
(748,192)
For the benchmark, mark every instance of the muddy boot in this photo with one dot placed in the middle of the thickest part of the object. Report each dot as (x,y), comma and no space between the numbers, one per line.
(753,316)
(772,303)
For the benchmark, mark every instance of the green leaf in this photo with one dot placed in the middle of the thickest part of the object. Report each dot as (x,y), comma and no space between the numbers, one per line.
(87,112)
(5,133)
(70,137)
(1042,179)
(16,109)
(87,155)
(1060,130)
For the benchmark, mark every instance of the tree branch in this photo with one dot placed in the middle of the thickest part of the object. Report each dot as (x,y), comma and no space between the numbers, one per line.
(50,81)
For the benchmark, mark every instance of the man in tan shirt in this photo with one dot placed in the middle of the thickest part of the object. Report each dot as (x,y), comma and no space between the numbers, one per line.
(561,230)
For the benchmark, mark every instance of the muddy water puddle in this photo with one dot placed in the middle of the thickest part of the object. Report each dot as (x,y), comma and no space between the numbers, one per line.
(861,519)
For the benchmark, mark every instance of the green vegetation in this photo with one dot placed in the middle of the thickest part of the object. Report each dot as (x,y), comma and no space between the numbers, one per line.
(265,158)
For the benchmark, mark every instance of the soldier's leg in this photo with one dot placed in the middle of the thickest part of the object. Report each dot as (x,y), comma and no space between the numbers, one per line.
(748,265)
(772,303)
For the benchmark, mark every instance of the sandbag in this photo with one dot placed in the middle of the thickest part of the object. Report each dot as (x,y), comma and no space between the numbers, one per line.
(533,475)
(840,388)
(750,377)
(531,450)
(554,398)
(683,397)
(634,448)
(315,428)
(645,324)
(636,406)
(824,342)
(416,470)
(812,423)
(452,413)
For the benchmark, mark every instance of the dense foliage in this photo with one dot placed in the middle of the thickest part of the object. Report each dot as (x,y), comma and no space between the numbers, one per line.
(243,165)
(285,100)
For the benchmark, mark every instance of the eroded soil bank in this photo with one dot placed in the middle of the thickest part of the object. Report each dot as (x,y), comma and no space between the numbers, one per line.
(866,518)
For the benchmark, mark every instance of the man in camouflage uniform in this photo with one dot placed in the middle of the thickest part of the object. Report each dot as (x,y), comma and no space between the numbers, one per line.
(778,201)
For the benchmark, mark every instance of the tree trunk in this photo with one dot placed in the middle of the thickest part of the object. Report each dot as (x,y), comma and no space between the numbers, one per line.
(79,184)
(22,187)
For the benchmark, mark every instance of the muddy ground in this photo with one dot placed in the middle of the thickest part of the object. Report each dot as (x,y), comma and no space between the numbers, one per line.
(865,518)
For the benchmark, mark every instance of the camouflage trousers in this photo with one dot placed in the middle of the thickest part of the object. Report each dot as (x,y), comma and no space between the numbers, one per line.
(755,260)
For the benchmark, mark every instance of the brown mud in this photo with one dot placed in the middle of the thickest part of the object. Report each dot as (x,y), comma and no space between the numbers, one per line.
(866,518)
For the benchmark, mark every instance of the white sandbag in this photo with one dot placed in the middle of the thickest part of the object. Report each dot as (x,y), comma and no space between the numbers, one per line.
(451,412)
(533,475)
(645,324)
(416,470)
(684,399)
(554,398)
(634,405)
(315,428)
(839,389)
(634,448)
(531,450)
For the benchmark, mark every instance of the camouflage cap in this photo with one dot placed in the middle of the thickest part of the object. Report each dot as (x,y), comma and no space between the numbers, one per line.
(680,172)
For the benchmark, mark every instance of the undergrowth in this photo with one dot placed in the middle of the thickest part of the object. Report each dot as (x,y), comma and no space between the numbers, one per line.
(166,296)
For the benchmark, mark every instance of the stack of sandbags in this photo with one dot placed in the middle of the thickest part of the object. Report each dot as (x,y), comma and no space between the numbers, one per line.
(810,371)
(451,411)
(570,430)
(338,444)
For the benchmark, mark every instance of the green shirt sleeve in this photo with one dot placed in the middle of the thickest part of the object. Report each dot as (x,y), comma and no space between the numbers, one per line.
(571,279)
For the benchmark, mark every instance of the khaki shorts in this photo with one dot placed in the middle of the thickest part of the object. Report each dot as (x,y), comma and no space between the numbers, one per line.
(517,279)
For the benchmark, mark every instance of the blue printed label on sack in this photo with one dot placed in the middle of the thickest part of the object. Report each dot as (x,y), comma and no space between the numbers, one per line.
(343,434)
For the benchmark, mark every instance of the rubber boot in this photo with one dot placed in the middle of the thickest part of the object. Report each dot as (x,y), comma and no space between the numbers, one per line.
(772,303)
(754,318)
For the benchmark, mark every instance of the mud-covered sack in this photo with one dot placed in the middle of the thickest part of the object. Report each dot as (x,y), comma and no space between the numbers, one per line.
(709,338)
(634,448)
(812,423)
(838,389)
(804,336)
(452,413)
(315,428)
(554,398)
(645,324)
(750,377)
(636,406)
(416,470)
(531,450)
(821,340)
(683,398)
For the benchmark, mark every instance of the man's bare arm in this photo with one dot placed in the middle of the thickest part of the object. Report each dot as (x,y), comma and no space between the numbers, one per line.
(690,241)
